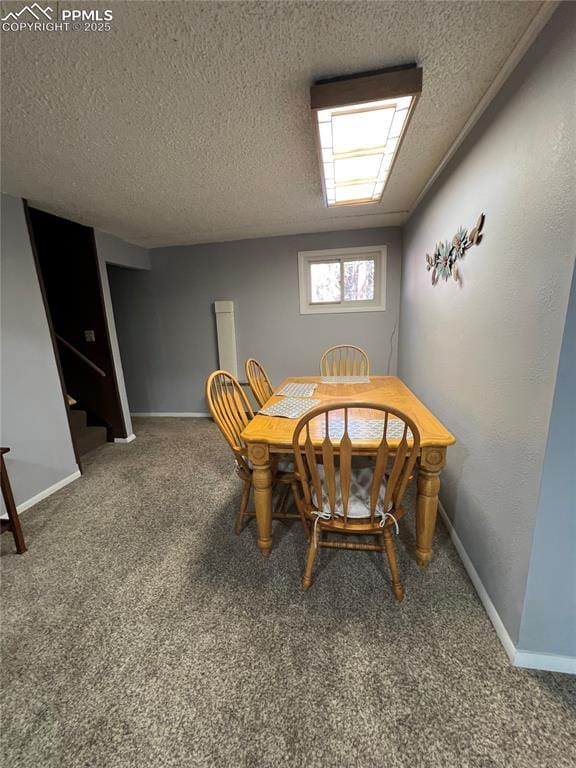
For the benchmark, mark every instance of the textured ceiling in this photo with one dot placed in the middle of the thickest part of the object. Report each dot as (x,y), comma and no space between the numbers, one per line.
(190,122)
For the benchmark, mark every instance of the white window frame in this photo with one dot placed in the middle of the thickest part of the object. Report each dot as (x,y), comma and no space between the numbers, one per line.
(305,258)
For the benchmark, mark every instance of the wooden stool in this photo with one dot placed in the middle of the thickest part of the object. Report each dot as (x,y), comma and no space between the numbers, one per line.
(13,522)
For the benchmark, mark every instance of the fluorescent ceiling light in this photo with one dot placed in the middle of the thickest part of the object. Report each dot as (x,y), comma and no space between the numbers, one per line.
(358,146)
(358,134)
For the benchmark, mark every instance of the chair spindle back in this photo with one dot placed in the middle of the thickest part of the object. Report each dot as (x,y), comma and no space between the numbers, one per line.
(258,380)
(393,459)
(229,407)
(344,360)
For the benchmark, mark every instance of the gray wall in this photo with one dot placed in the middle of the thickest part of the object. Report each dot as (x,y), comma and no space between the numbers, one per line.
(484,356)
(166,325)
(116,251)
(111,250)
(34,420)
(549,618)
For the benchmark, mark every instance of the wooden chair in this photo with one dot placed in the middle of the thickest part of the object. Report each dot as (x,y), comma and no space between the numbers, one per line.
(231,412)
(258,380)
(344,360)
(341,499)
(13,522)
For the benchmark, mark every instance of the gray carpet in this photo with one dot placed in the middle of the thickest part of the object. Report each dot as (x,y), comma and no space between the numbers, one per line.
(140,631)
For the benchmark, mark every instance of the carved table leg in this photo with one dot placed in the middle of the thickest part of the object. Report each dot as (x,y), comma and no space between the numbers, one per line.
(259,455)
(432,462)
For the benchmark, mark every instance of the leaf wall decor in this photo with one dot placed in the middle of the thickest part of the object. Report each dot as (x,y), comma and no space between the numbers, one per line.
(443,261)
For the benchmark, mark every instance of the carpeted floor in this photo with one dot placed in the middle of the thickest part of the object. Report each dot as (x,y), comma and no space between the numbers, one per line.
(140,631)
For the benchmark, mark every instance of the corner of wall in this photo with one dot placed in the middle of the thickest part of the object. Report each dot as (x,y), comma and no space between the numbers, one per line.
(112,250)
(34,420)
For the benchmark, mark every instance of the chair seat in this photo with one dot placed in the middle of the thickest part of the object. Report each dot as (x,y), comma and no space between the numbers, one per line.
(359,500)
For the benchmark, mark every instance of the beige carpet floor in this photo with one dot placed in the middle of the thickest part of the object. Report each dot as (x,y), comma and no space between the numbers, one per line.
(140,631)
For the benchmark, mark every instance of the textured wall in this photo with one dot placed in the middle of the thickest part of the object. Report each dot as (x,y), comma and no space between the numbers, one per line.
(484,356)
(166,324)
(111,250)
(549,618)
(34,420)
(121,253)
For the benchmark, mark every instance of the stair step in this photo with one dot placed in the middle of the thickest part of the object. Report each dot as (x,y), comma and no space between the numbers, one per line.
(77,419)
(89,439)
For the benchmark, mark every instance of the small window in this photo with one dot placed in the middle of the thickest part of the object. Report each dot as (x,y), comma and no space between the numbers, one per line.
(343,280)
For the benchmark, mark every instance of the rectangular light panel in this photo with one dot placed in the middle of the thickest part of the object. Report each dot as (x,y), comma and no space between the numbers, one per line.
(358,143)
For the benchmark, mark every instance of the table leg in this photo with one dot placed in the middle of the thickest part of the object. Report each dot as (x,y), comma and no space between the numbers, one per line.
(432,462)
(259,455)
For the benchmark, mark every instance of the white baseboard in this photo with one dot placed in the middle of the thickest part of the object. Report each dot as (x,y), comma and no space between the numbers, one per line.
(548,661)
(125,439)
(501,631)
(192,415)
(23,506)
(526,659)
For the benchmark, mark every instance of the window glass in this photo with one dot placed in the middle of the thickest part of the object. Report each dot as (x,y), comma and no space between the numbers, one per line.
(325,282)
(359,280)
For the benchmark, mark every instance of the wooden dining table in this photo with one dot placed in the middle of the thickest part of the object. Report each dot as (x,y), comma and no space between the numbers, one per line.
(266,436)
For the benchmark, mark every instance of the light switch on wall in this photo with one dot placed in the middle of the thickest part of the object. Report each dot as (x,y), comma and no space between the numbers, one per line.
(89,336)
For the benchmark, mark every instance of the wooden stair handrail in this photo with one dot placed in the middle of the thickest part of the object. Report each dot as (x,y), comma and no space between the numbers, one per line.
(81,356)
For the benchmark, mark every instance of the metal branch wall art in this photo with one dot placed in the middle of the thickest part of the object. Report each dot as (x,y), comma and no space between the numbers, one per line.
(443,262)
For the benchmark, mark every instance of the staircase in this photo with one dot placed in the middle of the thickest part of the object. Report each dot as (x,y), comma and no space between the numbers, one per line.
(86,438)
